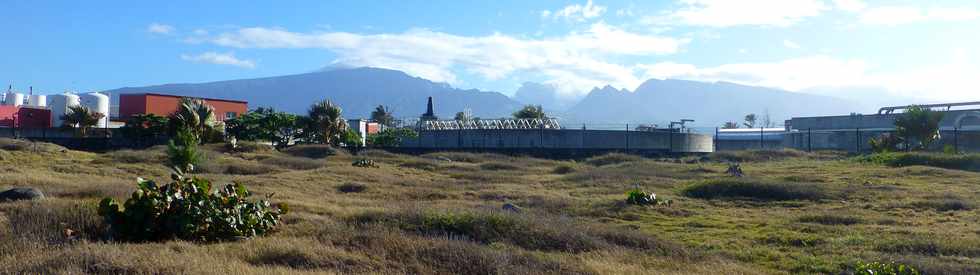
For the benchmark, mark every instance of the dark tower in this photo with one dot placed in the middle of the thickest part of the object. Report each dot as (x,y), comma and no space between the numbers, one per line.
(429,114)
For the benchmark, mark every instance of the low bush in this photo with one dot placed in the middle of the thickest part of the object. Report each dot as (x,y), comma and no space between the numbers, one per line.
(969,162)
(364,163)
(878,268)
(944,204)
(497,166)
(10,144)
(351,187)
(130,156)
(638,197)
(737,188)
(187,209)
(614,158)
(313,151)
(248,147)
(235,168)
(563,169)
(756,155)
(294,163)
(830,219)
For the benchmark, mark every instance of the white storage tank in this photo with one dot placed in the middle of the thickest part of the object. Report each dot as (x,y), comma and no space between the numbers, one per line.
(37,100)
(59,106)
(98,103)
(13,99)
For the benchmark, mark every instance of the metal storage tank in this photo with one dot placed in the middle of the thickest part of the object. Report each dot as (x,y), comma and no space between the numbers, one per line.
(98,103)
(13,99)
(37,100)
(59,106)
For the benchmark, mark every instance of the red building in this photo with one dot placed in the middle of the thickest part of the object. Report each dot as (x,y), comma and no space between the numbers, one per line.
(164,105)
(24,117)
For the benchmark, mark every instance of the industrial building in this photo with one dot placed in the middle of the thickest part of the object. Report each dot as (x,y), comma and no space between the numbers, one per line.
(164,105)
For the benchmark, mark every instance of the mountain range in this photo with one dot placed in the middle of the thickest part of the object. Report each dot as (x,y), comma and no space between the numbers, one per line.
(359,90)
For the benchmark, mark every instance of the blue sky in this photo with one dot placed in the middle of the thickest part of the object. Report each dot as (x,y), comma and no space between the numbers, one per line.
(925,49)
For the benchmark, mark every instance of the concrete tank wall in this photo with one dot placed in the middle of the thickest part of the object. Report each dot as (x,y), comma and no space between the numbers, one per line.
(562,139)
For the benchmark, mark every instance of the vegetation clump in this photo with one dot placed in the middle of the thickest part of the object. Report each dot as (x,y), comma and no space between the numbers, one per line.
(364,163)
(638,197)
(754,189)
(614,158)
(187,209)
(879,268)
(968,162)
(351,187)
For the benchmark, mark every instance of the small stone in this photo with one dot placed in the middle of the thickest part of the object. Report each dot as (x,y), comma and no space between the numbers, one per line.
(21,193)
(512,208)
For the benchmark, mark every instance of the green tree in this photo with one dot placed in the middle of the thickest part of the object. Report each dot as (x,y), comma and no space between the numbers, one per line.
(750,121)
(182,153)
(265,124)
(382,115)
(918,126)
(730,125)
(144,127)
(352,138)
(530,112)
(324,123)
(463,116)
(391,137)
(198,117)
(81,118)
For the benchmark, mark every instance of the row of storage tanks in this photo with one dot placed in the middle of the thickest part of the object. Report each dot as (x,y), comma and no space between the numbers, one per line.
(59,104)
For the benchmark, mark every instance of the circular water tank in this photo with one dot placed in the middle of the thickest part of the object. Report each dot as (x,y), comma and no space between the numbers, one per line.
(14,99)
(37,100)
(98,103)
(59,106)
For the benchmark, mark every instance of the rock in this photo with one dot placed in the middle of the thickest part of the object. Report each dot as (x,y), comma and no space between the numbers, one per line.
(21,193)
(512,208)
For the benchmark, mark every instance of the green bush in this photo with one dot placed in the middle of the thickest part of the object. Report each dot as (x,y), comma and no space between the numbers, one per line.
(638,197)
(751,189)
(970,162)
(364,163)
(182,151)
(564,169)
(877,268)
(614,158)
(313,151)
(187,209)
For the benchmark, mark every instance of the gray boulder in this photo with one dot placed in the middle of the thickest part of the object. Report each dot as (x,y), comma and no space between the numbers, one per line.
(21,193)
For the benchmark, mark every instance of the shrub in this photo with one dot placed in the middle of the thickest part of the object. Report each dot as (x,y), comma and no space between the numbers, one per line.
(638,197)
(830,219)
(182,151)
(130,156)
(563,169)
(614,158)
(187,209)
(970,162)
(351,187)
(944,204)
(495,166)
(25,145)
(877,268)
(248,147)
(745,188)
(313,151)
(295,163)
(365,163)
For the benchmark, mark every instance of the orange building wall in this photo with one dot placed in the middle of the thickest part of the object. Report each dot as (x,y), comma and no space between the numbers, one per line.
(164,105)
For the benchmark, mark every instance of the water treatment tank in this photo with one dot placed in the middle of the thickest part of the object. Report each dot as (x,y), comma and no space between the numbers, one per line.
(13,99)
(59,106)
(37,101)
(98,103)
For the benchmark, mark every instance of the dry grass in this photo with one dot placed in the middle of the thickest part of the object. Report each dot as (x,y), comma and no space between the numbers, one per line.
(425,215)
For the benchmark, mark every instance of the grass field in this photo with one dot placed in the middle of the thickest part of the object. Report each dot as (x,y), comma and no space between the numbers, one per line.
(793,213)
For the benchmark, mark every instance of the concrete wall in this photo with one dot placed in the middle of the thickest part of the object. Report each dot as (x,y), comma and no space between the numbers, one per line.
(875,121)
(562,139)
(858,141)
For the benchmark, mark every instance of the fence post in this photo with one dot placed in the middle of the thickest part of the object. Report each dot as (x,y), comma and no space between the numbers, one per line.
(715,142)
(627,137)
(857,140)
(582,136)
(809,140)
(762,138)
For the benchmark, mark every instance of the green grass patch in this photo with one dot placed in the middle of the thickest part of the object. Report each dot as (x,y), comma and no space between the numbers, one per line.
(968,162)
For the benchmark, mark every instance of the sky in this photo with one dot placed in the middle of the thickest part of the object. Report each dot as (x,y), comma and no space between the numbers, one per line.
(924,49)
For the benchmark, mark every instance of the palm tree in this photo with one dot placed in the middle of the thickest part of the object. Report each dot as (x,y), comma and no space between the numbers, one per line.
(382,115)
(324,122)
(80,117)
(198,117)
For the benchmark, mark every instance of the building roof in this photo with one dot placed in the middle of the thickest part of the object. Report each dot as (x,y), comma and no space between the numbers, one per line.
(196,97)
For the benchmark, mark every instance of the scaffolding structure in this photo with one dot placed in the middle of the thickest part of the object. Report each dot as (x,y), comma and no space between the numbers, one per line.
(490,124)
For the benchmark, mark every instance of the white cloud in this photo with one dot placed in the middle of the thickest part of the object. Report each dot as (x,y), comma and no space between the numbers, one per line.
(941,81)
(157,28)
(573,61)
(220,59)
(850,5)
(899,15)
(790,44)
(728,13)
(576,12)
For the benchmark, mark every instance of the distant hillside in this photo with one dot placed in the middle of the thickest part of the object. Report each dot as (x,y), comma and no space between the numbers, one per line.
(545,95)
(709,104)
(357,90)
